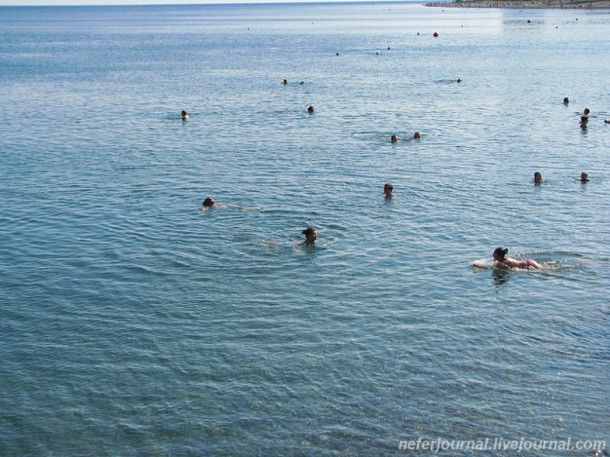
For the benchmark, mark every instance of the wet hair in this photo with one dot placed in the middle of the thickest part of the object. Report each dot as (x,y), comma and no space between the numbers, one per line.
(310,109)
(417,135)
(566,101)
(500,253)
(208,202)
(183,113)
(537,177)
(388,186)
(586,111)
(308,231)
(394,138)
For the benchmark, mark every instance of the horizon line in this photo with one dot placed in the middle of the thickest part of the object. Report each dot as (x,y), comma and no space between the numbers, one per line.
(194,2)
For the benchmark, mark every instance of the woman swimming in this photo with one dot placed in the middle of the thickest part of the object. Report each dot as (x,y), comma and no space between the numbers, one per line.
(310,236)
(503,261)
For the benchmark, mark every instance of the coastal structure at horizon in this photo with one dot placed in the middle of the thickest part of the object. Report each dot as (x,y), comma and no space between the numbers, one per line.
(524,4)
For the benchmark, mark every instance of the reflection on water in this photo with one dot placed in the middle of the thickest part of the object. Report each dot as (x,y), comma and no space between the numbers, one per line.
(500,276)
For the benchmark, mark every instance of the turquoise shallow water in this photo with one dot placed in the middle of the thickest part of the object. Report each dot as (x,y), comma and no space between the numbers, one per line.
(133,323)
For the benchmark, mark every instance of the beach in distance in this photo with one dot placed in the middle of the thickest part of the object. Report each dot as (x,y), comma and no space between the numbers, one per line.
(322,229)
(527,4)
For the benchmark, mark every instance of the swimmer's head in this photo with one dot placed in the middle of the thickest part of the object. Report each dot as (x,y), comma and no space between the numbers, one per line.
(388,188)
(208,202)
(285,81)
(500,254)
(310,109)
(537,177)
(566,101)
(310,235)
(586,112)
(584,176)
(394,139)
(417,135)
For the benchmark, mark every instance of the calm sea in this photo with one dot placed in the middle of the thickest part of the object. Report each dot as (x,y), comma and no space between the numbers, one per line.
(134,323)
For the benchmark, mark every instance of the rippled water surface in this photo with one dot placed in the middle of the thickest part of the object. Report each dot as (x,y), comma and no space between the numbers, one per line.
(134,323)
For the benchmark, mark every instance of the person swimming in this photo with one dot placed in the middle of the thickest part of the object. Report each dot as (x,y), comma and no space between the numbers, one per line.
(416,136)
(388,190)
(566,101)
(208,203)
(394,139)
(503,261)
(185,116)
(584,177)
(310,236)
(584,122)
(537,178)
(310,110)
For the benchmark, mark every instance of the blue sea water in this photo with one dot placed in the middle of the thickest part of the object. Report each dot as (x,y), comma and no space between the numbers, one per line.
(134,323)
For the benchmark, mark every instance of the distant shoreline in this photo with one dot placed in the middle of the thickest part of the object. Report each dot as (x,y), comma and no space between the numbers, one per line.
(526,4)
